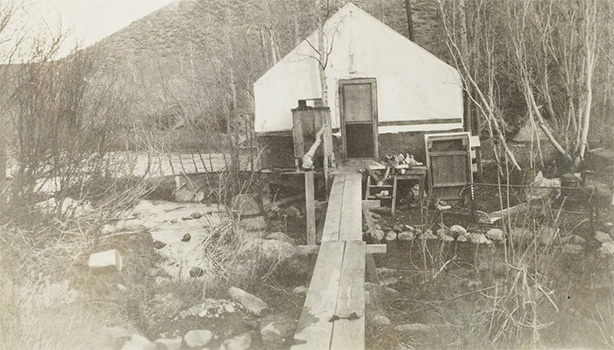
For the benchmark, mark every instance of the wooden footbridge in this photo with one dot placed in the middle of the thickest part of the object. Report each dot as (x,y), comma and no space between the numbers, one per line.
(333,316)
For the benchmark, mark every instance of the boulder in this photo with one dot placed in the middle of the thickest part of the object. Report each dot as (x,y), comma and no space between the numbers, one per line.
(390,235)
(495,234)
(280,236)
(250,302)
(117,335)
(380,321)
(413,328)
(246,204)
(406,236)
(197,338)
(240,342)
(602,237)
(457,230)
(276,331)
(259,256)
(254,223)
(378,234)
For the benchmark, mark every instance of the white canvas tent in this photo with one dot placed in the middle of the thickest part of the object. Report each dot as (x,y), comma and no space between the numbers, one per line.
(415,91)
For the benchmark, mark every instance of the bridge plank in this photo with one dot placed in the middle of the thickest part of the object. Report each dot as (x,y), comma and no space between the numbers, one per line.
(350,333)
(314,331)
(351,215)
(334,210)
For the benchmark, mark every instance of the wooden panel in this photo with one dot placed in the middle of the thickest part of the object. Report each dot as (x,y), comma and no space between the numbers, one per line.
(350,333)
(314,331)
(450,170)
(351,213)
(333,212)
(357,102)
(310,208)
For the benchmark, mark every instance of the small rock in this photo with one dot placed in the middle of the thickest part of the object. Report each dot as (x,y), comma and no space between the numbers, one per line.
(457,230)
(390,235)
(413,327)
(171,344)
(496,235)
(378,226)
(251,303)
(446,238)
(196,272)
(197,338)
(276,331)
(121,287)
(256,223)
(575,239)
(380,321)
(246,204)
(602,237)
(196,215)
(462,238)
(428,234)
(280,236)
(378,235)
(240,342)
(607,249)
(399,228)
(229,308)
(136,342)
(159,244)
(478,238)
(572,248)
(186,238)
(406,236)
(300,290)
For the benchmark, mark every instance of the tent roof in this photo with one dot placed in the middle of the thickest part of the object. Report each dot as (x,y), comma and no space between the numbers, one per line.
(412,84)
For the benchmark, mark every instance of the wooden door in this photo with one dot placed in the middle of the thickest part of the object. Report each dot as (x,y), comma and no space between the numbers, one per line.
(358,117)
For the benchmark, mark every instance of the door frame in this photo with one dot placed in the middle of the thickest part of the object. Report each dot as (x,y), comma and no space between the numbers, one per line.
(355,81)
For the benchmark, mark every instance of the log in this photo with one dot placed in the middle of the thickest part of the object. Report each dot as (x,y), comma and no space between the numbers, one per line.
(105,262)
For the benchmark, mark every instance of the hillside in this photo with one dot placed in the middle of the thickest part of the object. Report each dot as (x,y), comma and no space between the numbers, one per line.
(177,60)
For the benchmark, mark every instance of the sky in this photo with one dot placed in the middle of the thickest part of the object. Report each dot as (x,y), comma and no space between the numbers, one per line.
(85,21)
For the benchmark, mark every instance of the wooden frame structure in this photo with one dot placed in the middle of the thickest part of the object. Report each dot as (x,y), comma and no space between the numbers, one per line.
(343,117)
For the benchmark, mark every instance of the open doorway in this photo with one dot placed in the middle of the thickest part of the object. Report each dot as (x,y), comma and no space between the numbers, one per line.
(358,117)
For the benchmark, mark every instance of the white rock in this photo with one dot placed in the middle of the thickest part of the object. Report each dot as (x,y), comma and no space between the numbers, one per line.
(413,327)
(240,342)
(300,290)
(446,238)
(441,232)
(276,330)
(457,230)
(406,236)
(171,344)
(495,234)
(607,249)
(478,238)
(136,342)
(428,234)
(380,321)
(197,338)
(390,236)
(251,303)
(117,332)
(602,237)
(462,238)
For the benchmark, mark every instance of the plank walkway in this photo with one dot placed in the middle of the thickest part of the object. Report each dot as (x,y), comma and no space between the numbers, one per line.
(333,316)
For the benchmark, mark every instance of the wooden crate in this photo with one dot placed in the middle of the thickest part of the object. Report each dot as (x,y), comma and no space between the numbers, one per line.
(448,158)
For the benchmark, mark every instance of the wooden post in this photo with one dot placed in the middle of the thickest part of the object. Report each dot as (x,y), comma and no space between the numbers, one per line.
(310,208)
(2,163)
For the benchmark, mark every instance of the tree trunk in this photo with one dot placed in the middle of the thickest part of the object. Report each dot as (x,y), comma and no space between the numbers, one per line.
(322,54)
